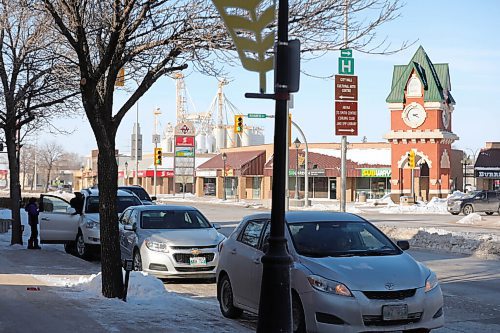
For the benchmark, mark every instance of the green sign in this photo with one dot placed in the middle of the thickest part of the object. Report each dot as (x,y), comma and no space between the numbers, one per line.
(346,66)
(257,115)
(382,172)
(346,53)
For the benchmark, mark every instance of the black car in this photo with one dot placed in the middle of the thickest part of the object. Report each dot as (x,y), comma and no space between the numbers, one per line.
(140,192)
(475,201)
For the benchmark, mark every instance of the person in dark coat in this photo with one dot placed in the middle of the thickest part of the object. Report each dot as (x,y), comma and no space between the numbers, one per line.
(77,202)
(32,210)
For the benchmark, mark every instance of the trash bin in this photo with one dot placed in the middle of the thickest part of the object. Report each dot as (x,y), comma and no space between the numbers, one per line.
(4,225)
(362,197)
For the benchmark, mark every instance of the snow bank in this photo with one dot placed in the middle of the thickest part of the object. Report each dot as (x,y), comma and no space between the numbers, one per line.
(471,219)
(435,206)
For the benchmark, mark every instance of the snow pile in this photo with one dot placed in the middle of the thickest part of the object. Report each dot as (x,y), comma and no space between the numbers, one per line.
(437,206)
(481,245)
(457,195)
(471,219)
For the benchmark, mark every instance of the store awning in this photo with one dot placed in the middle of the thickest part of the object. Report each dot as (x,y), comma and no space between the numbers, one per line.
(488,164)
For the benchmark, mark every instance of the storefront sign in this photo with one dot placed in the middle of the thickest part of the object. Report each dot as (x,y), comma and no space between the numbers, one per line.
(150,173)
(383,172)
(184,171)
(184,162)
(184,141)
(310,172)
(488,174)
(184,151)
(206,173)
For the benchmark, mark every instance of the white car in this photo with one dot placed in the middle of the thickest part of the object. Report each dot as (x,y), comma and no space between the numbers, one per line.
(80,233)
(170,241)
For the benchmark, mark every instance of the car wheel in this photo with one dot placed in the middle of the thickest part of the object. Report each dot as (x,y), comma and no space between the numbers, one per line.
(454,213)
(225,296)
(82,249)
(137,261)
(467,210)
(418,330)
(489,213)
(298,319)
(70,247)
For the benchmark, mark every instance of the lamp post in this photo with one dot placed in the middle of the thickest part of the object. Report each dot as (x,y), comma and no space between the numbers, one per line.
(224,157)
(464,162)
(125,182)
(297,145)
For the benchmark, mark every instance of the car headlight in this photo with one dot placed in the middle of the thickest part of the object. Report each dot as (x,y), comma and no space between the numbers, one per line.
(431,282)
(91,224)
(329,286)
(156,246)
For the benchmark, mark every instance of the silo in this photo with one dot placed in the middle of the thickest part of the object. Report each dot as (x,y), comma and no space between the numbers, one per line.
(211,143)
(220,138)
(201,143)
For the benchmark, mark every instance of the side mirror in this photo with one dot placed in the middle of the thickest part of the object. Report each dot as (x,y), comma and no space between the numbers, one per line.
(403,245)
(153,198)
(71,211)
(216,226)
(130,227)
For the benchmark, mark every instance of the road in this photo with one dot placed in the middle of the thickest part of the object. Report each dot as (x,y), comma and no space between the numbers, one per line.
(471,286)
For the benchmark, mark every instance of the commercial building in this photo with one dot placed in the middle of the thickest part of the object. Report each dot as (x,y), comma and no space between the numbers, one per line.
(487,167)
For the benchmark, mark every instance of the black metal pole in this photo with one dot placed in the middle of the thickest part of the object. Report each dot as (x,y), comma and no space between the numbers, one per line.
(224,181)
(275,314)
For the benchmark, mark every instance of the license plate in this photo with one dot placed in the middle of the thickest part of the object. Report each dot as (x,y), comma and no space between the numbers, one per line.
(395,312)
(197,261)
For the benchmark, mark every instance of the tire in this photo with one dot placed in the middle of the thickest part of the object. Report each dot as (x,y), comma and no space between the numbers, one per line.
(454,213)
(137,261)
(418,330)
(489,213)
(467,210)
(82,249)
(225,297)
(70,247)
(298,319)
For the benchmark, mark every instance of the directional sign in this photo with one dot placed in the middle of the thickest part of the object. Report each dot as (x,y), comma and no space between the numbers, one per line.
(346,87)
(257,115)
(346,53)
(346,118)
(346,66)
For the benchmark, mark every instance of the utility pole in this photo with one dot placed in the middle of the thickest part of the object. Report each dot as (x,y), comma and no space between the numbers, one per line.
(275,305)
(343,149)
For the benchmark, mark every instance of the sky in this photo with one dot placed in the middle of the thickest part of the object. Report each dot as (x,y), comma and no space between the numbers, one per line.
(461,33)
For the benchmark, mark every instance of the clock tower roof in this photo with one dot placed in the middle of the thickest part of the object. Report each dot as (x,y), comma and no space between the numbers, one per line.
(435,79)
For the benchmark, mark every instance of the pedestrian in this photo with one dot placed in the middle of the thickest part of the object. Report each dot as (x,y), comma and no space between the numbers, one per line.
(32,210)
(77,202)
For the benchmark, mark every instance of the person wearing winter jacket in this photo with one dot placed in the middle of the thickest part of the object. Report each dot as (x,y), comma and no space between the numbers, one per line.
(32,210)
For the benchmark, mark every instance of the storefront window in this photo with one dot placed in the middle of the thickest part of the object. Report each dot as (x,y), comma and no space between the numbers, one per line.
(374,187)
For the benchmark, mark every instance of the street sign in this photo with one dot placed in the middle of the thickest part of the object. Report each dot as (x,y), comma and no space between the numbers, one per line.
(346,66)
(346,87)
(346,118)
(257,115)
(346,53)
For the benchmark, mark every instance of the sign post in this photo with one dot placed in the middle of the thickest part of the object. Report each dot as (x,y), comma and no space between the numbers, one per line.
(184,154)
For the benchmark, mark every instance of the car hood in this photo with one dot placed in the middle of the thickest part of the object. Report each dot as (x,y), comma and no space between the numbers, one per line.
(370,273)
(188,237)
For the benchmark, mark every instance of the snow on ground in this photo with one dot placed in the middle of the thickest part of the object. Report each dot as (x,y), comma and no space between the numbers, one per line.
(470,219)
(435,206)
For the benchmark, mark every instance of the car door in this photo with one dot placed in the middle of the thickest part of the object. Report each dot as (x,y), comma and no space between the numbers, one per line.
(57,224)
(492,201)
(480,202)
(124,244)
(244,261)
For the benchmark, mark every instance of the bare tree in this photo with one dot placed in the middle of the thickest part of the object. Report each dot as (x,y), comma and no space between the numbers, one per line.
(50,154)
(27,163)
(35,83)
(148,39)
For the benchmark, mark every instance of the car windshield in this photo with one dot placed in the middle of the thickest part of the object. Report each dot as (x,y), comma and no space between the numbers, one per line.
(122,202)
(173,219)
(340,239)
(140,192)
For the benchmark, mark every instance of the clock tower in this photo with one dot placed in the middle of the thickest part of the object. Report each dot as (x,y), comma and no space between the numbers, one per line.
(421,107)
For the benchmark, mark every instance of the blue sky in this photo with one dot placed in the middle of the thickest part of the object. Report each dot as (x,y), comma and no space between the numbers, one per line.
(461,33)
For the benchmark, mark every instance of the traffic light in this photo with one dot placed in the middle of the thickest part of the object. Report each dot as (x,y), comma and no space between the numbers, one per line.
(411,159)
(157,157)
(238,123)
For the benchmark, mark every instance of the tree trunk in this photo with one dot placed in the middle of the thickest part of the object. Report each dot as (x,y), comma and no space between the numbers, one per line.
(112,279)
(15,186)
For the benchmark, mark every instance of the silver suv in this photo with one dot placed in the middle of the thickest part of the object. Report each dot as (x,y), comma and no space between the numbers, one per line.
(476,201)
(80,233)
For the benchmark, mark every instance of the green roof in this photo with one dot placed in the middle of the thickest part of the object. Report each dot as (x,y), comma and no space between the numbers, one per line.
(434,77)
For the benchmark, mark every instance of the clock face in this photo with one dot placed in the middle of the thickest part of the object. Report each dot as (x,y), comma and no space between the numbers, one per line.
(414,115)
(445,115)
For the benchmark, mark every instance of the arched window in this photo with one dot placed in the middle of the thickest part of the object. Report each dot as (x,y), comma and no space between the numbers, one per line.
(414,88)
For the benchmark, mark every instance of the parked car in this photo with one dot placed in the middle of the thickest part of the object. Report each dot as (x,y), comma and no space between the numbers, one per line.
(170,241)
(346,276)
(80,233)
(475,201)
(140,192)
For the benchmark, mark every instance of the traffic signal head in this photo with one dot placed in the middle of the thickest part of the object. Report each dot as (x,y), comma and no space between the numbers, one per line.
(411,159)
(157,157)
(238,123)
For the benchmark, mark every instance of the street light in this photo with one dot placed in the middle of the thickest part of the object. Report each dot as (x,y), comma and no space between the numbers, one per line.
(224,157)
(126,174)
(297,145)
(465,161)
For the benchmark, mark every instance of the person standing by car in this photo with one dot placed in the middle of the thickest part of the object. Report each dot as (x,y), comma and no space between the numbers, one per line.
(77,202)
(32,210)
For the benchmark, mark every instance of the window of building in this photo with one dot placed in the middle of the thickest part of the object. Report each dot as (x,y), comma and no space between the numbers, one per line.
(414,88)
